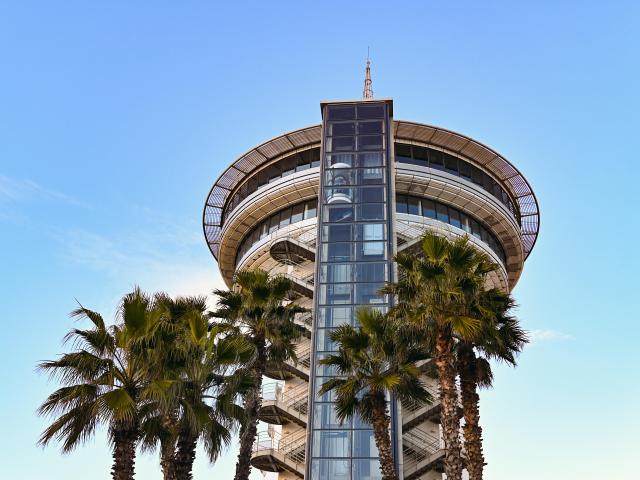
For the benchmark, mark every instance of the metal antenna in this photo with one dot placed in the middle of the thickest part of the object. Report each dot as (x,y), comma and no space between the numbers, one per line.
(367,92)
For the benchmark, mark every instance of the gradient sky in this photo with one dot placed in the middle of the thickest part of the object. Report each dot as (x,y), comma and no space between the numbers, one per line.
(116,118)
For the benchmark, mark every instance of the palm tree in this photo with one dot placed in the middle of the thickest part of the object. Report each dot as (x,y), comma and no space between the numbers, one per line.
(432,293)
(375,361)
(255,309)
(104,383)
(192,363)
(500,338)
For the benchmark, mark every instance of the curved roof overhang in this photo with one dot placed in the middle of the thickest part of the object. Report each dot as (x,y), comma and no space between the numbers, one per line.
(309,137)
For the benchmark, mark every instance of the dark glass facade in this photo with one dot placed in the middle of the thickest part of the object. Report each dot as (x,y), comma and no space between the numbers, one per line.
(353,263)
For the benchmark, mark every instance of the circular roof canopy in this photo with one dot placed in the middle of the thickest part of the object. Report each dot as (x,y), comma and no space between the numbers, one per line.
(309,137)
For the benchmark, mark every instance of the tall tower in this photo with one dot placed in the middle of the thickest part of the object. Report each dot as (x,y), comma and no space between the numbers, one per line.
(328,206)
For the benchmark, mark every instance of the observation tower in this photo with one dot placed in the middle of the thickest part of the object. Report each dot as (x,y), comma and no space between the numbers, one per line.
(328,206)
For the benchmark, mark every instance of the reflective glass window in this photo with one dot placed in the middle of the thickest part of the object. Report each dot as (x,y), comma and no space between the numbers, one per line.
(370,142)
(331,443)
(348,128)
(442,213)
(336,144)
(413,206)
(339,177)
(371,251)
(330,470)
(337,233)
(364,444)
(336,252)
(373,159)
(285,217)
(324,342)
(338,213)
(372,231)
(370,128)
(297,213)
(420,156)
(334,316)
(454,217)
(371,272)
(367,293)
(372,195)
(403,153)
(370,176)
(325,417)
(451,164)
(436,159)
(310,209)
(340,160)
(336,273)
(428,208)
(366,470)
(370,111)
(372,211)
(401,204)
(347,112)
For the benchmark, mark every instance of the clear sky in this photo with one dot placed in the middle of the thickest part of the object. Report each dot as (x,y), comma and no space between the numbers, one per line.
(116,117)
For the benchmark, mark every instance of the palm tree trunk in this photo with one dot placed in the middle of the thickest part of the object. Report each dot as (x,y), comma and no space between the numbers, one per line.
(445,364)
(185,455)
(252,404)
(167,461)
(381,434)
(124,452)
(167,448)
(470,405)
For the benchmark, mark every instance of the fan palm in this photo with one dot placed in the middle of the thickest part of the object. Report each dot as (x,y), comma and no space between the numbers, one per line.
(500,338)
(191,363)
(375,360)
(104,383)
(255,309)
(432,293)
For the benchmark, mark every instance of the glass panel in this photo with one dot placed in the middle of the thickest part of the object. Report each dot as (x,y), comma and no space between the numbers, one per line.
(441,212)
(324,416)
(371,251)
(339,177)
(337,144)
(324,342)
(420,156)
(330,470)
(401,204)
(337,233)
(310,209)
(336,252)
(428,208)
(413,206)
(331,443)
(454,217)
(342,128)
(274,223)
(367,293)
(371,272)
(336,273)
(366,470)
(338,213)
(370,142)
(334,316)
(297,213)
(370,176)
(372,231)
(465,169)
(370,159)
(347,112)
(451,164)
(436,160)
(340,160)
(370,127)
(372,195)
(370,111)
(339,195)
(364,444)
(372,211)
(285,217)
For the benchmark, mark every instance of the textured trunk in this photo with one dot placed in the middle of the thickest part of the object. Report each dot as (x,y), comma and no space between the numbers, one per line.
(445,363)
(167,461)
(185,455)
(124,452)
(470,407)
(252,404)
(381,434)
(167,449)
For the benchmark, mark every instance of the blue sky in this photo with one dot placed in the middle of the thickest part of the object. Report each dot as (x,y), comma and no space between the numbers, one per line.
(116,117)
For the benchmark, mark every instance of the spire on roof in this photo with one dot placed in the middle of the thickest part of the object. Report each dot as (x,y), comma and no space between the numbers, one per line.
(367,91)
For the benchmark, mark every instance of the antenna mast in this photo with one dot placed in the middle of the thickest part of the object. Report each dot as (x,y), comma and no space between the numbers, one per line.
(367,91)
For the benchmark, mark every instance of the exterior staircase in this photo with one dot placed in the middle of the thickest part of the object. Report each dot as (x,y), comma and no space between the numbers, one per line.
(273,452)
(280,406)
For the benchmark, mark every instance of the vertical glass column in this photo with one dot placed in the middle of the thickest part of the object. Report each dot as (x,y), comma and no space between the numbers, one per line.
(353,262)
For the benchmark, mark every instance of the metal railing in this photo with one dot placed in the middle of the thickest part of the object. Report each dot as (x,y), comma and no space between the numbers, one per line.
(295,398)
(291,446)
(303,319)
(413,405)
(418,445)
